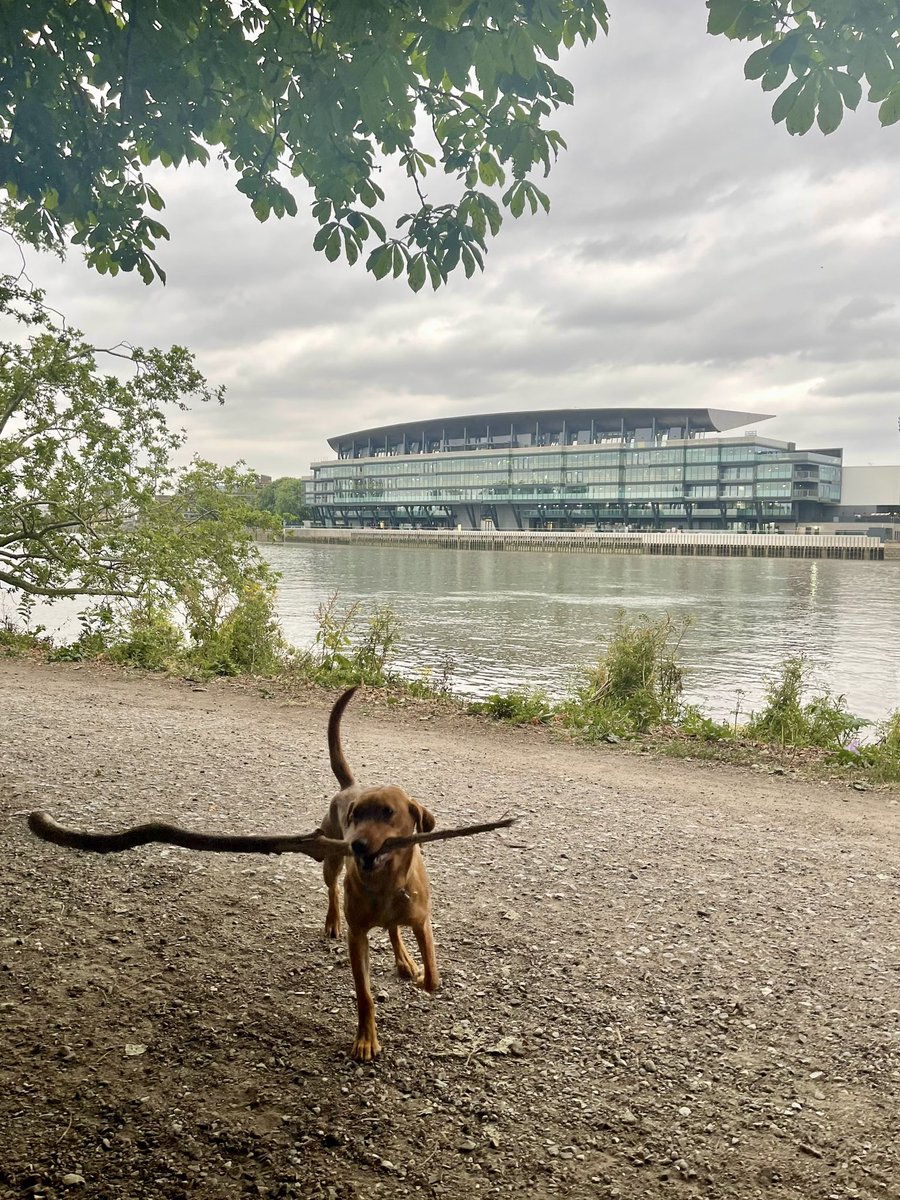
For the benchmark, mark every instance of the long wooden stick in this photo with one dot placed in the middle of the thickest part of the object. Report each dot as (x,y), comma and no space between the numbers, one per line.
(316,845)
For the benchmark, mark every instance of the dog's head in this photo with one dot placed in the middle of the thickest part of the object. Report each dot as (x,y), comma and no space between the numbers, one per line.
(380,813)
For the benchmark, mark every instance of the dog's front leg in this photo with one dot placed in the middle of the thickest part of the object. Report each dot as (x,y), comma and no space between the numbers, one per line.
(366,1046)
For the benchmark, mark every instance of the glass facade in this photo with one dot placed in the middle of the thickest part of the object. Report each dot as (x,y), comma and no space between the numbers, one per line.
(703,481)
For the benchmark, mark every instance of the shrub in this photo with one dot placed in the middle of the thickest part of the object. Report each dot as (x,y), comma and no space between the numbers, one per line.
(14,640)
(636,685)
(146,638)
(880,759)
(343,654)
(524,707)
(246,640)
(695,723)
(788,720)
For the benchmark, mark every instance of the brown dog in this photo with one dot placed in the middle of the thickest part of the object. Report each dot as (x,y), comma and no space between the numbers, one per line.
(380,890)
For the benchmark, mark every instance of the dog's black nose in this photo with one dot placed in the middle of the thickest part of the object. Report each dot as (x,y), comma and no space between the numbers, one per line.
(359,848)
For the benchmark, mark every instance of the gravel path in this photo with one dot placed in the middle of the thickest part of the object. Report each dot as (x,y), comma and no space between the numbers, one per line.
(669,979)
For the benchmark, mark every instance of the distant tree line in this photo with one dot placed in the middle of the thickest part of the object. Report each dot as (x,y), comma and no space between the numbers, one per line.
(284,498)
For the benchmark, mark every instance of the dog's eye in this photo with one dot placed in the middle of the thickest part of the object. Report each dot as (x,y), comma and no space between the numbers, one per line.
(387,814)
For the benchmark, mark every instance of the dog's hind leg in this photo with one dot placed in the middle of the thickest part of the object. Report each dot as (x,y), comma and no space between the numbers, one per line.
(431,979)
(331,871)
(407,968)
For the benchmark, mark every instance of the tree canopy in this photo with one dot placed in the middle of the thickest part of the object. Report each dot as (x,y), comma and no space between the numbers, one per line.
(91,504)
(284,497)
(327,91)
(93,94)
(818,55)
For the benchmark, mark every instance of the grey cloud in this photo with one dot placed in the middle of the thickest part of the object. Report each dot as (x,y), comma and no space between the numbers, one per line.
(693,253)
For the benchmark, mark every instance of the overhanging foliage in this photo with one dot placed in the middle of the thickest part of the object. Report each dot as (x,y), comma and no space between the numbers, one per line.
(94,93)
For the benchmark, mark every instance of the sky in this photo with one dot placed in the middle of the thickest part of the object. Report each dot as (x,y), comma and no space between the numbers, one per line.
(694,254)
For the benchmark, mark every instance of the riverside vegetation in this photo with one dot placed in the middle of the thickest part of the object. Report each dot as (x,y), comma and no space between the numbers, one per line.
(632,693)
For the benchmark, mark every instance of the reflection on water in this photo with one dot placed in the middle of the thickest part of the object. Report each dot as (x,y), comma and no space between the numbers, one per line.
(509,619)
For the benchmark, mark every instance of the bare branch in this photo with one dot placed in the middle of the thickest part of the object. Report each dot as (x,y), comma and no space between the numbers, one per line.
(25,585)
(314,844)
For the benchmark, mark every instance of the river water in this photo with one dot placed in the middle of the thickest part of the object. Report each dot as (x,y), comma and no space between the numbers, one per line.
(504,620)
(498,620)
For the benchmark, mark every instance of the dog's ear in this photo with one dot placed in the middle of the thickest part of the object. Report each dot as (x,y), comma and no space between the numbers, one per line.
(423,818)
(348,816)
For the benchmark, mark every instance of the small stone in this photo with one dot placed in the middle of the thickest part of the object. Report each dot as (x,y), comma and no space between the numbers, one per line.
(72,1179)
(466,1146)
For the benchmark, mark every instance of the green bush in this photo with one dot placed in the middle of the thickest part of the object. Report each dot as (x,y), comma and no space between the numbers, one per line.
(694,723)
(247,640)
(523,707)
(344,653)
(787,719)
(146,638)
(880,759)
(637,683)
(14,640)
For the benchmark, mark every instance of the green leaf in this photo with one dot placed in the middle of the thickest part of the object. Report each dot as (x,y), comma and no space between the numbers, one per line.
(416,276)
(880,71)
(723,14)
(379,261)
(889,112)
(758,63)
(831,107)
(786,101)
(322,236)
(850,88)
(351,246)
(514,199)
(333,245)
(774,77)
(803,111)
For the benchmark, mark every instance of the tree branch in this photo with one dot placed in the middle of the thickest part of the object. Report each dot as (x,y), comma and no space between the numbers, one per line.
(314,844)
(52,593)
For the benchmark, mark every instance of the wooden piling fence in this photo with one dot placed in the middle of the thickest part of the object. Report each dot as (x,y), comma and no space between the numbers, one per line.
(681,543)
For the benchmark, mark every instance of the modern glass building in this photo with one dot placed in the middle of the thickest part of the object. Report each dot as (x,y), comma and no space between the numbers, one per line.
(603,468)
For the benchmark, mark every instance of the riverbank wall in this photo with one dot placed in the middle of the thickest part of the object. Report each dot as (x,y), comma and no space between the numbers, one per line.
(679,543)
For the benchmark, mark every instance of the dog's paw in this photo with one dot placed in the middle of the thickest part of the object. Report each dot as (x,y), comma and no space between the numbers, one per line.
(333,930)
(365,1048)
(430,983)
(407,969)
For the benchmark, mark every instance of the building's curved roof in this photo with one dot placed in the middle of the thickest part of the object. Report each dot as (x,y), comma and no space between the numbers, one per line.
(698,420)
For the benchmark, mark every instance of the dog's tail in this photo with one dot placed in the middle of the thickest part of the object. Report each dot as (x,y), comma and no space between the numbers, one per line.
(339,763)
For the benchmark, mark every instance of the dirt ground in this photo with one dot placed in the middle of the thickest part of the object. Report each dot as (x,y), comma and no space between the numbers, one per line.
(668,979)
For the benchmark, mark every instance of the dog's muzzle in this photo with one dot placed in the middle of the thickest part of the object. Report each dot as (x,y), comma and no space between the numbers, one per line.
(366,859)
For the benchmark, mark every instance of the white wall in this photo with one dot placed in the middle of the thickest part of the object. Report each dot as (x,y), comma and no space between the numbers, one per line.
(868,486)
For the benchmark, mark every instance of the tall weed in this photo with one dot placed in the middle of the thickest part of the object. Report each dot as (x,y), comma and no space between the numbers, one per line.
(350,648)
(789,719)
(636,685)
